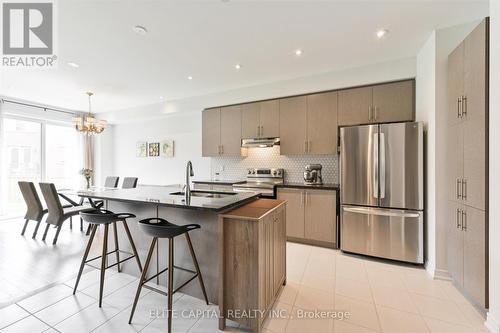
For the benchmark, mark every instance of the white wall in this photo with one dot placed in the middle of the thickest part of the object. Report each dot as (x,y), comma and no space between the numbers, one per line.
(180,120)
(425,112)
(432,105)
(493,320)
(398,69)
(184,129)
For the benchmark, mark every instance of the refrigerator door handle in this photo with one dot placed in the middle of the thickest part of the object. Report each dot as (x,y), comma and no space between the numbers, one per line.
(382,165)
(375,165)
(380,212)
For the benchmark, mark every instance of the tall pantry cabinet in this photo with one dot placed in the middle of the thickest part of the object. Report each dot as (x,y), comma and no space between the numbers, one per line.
(467,165)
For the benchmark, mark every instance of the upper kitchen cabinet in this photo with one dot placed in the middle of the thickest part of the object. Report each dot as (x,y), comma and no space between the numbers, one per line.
(260,120)
(308,124)
(292,124)
(230,130)
(322,123)
(270,119)
(250,120)
(355,106)
(211,132)
(393,102)
(382,103)
(221,131)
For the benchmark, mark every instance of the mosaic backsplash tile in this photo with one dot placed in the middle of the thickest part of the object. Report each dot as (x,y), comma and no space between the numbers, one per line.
(232,168)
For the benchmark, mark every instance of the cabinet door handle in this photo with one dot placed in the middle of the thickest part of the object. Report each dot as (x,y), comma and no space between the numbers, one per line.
(464,106)
(457,219)
(308,146)
(375,113)
(262,130)
(258,130)
(459,104)
(370,113)
(305,146)
(307,199)
(464,189)
(302,198)
(459,186)
(218,149)
(222,149)
(464,220)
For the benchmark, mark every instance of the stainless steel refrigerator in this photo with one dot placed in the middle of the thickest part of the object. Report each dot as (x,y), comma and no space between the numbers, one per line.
(382,199)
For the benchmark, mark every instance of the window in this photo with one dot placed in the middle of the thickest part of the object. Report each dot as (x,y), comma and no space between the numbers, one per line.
(35,151)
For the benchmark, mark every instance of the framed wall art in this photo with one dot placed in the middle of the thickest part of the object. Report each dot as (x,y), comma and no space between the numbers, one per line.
(154,149)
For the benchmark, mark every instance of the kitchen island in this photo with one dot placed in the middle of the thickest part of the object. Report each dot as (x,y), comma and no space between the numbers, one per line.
(168,202)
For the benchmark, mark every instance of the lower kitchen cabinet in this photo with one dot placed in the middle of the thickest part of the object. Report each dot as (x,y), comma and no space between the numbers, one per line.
(467,250)
(252,261)
(311,215)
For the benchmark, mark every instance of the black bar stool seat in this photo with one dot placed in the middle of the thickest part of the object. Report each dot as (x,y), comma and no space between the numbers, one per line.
(161,228)
(100,217)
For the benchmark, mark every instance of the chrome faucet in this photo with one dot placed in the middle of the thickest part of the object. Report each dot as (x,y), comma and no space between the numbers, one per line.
(189,173)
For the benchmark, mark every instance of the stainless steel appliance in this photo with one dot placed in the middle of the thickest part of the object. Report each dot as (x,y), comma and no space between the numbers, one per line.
(382,199)
(312,175)
(259,142)
(261,180)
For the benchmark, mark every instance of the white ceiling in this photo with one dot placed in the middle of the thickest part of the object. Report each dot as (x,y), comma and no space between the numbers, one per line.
(206,39)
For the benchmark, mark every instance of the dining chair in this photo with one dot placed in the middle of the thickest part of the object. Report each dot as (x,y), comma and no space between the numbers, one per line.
(129,182)
(57,213)
(35,210)
(111,181)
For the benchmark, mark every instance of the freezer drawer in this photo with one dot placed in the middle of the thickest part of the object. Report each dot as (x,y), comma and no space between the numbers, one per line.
(386,233)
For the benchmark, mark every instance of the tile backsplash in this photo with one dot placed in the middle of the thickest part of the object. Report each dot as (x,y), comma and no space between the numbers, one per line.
(233,168)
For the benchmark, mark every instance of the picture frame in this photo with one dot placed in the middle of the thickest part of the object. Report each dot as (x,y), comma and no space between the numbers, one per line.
(167,148)
(141,149)
(154,149)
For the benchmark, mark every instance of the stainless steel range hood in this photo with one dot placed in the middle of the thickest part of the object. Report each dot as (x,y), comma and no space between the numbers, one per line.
(260,142)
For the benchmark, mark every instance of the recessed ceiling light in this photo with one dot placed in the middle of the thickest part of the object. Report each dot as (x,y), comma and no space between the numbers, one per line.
(190,77)
(73,64)
(237,66)
(382,32)
(140,30)
(161,97)
(298,52)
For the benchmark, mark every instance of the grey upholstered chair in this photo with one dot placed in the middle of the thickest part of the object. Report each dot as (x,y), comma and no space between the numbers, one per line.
(129,182)
(111,181)
(57,213)
(35,210)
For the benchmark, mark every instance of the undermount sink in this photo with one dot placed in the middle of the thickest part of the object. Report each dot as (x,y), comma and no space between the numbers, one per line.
(206,194)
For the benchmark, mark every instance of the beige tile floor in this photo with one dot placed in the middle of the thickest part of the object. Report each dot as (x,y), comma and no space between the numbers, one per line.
(377,296)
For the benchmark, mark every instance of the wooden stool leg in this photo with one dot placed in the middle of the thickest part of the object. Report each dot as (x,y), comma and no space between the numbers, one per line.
(24,228)
(88,231)
(198,271)
(71,222)
(85,255)
(132,244)
(117,248)
(103,262)
(170,281)
(81,224)
(143,278)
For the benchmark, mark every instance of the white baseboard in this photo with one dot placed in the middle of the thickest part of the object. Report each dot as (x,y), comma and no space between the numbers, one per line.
(435,273)
(492,323)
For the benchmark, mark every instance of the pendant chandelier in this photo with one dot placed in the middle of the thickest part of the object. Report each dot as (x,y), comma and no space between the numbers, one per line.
(88,124)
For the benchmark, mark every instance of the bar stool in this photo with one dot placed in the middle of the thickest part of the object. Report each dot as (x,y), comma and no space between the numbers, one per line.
(96,217)
(161,228)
